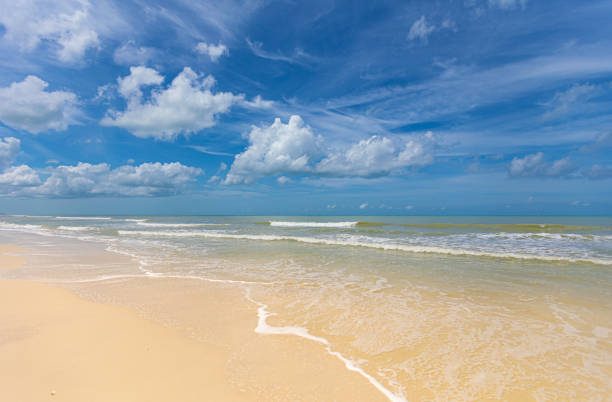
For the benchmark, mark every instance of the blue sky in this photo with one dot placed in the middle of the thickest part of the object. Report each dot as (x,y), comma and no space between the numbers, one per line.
(283,107)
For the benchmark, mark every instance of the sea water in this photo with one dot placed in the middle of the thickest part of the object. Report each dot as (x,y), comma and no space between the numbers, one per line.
(439,307)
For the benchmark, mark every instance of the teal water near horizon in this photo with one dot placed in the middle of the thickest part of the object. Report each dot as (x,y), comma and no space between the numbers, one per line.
(471,307)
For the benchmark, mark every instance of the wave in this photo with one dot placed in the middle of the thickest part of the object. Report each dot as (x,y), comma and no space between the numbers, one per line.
(503,227)
(84,218)
(313,224)
(179,225)
(381,246)
(76,228)
(510,227)
(16,226)
(135,220)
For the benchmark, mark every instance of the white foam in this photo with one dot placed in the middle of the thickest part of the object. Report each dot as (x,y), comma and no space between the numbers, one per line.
(264,328)
(313,224)
(84,218)
(382,246)
(76,228)
(177,225)
(16,226)
(135,220)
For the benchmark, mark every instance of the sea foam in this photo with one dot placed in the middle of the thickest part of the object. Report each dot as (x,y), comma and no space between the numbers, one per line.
(178,225)
(84,218)
(265,329)
(378,245)
(314,224)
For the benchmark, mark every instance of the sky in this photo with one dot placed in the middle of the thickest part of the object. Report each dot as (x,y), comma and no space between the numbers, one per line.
(464,107)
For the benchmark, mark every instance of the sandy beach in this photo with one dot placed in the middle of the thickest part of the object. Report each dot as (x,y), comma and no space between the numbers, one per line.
(55,345)
(230,308)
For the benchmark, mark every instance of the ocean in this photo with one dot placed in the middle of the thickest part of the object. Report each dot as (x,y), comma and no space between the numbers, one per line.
(461,307)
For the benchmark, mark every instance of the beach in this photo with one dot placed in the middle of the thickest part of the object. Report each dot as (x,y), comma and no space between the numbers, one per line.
(191,308)
(58,345)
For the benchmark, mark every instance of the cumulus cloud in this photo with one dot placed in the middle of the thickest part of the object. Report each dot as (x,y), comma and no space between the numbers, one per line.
(534,165)
(377,156)
(65,26)
(186,106)
(213,51)
(130,86)
(278,148)
(294,149)
(19,176)
(27,106)
(420,29)
(9,148)
(89,180)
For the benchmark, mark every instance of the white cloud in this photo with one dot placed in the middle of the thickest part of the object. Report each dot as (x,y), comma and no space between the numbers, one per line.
(363,206)
(276,149)
(87,180)
(186,106)
(534,165)
(9,148)
(257,103)
(420,29)
(377,156)
(66,26)
(283,180)
(205,150)
(19,176)
(293,148)
(27,106)
(508,4)
(129,86)
(213,51)
(128,54)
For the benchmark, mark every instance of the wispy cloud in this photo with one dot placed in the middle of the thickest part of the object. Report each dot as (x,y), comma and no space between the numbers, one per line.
(205,150)
(299,56)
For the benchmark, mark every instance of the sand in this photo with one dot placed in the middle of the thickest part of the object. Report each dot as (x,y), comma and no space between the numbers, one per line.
(10,258)
(55,345)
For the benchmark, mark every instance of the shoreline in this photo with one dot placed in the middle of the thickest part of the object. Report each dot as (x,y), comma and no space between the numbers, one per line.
(120,340)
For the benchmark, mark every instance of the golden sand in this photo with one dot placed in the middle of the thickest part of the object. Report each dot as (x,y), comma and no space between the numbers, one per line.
(55,345)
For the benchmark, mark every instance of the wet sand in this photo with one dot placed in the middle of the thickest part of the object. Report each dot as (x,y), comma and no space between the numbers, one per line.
(55,345)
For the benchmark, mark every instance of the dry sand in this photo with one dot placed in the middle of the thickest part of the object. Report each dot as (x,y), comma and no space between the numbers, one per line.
(55,345)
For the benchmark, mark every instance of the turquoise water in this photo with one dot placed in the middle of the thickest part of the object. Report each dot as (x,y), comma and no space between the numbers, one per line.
(462,307)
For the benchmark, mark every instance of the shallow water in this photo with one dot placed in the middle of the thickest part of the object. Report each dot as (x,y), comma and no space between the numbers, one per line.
(448,307)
